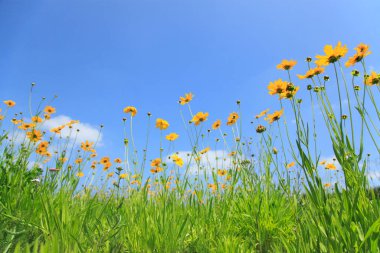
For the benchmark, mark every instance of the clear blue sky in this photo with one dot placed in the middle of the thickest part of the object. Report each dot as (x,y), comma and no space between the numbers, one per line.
(100,56)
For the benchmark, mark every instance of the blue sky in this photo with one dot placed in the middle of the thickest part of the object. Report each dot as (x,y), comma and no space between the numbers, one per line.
(100,56)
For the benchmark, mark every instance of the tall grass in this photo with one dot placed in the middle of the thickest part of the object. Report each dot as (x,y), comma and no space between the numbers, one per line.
(271,192)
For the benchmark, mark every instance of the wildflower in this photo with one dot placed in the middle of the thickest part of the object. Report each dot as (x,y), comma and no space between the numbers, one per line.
(204,151)
(25,126)
(123,176)
(361,52)
(107,165)
(277,87)
(222,172)
(130,109)
(10,103)
(105,160)
(72,122)
(327,185)
(161,124)
(290,91)
(1,117)
(232,118)
(78,160)
(356,87)
(322,162)
(34,135)
(344,116)
(213,187)
(117,160)
(49,109)
(156,170)
(177,160)
(216,124)
(172,136)
(184,100)
(262,113)
(199,117)
(286,64)
(36,119)
(156,162)
(331,54)
(275,151)
(232,153)
(355,72)
(86,146)
(330,166)
(110,174)
(16,121)
(312,72)
(260,129)
(274,116)
(372,79)
(289,165)
(80,174)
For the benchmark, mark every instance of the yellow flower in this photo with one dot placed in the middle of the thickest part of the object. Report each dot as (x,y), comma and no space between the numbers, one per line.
(1,117)
(156,162)
(177,160)
(331,54)
(312,72)
(199,117)
(122,176)
(361,52)
(184,100)
(204,151)
(49,109)
(222,172)
(36,119)
(130,109)
(327,185)
(330,166)
(34,135)
(10,103)
(78,160)
(216,124)
(286,64)
(43,145)
(277,87)
(162,124)
(57,130)
(322,162)
(117,160)
(232,153)
(232,118)
(25,126)
(110,174)
(80,174)
(172,136)
(86,146)
(290,165)
(262,113)
(274,116)
(156,170)
(106,166)
(372,79)
(105,160)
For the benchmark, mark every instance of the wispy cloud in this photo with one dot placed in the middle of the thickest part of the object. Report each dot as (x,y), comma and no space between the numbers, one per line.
(86,131)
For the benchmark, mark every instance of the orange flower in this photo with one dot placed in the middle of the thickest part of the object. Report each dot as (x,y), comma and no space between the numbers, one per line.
(49,109)
(184,100)
(80,174)
(78,160)
(372,79)
(312,72)
(86,146)
(274,116)
(199,117)
(204,151)
(361,52)
(36,119)
(25,126)
(232,118)
(262,113)
(290,165)
(277,87)
(222,172)
(34,135)
(162,124)
(216,124)
(130,109)
(172,136)
(330,166)
(156,170)
(117,160)
(10,103)
(286,64)
(156,162)
(331,54)
(105,160)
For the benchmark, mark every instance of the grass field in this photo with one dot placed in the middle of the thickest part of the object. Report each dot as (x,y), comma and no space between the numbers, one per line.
(268,192)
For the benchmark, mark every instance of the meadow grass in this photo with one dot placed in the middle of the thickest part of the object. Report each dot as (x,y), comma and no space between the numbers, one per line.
(271,192)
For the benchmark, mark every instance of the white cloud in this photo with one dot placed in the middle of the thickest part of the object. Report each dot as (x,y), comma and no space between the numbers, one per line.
(210,161)
(86,131)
